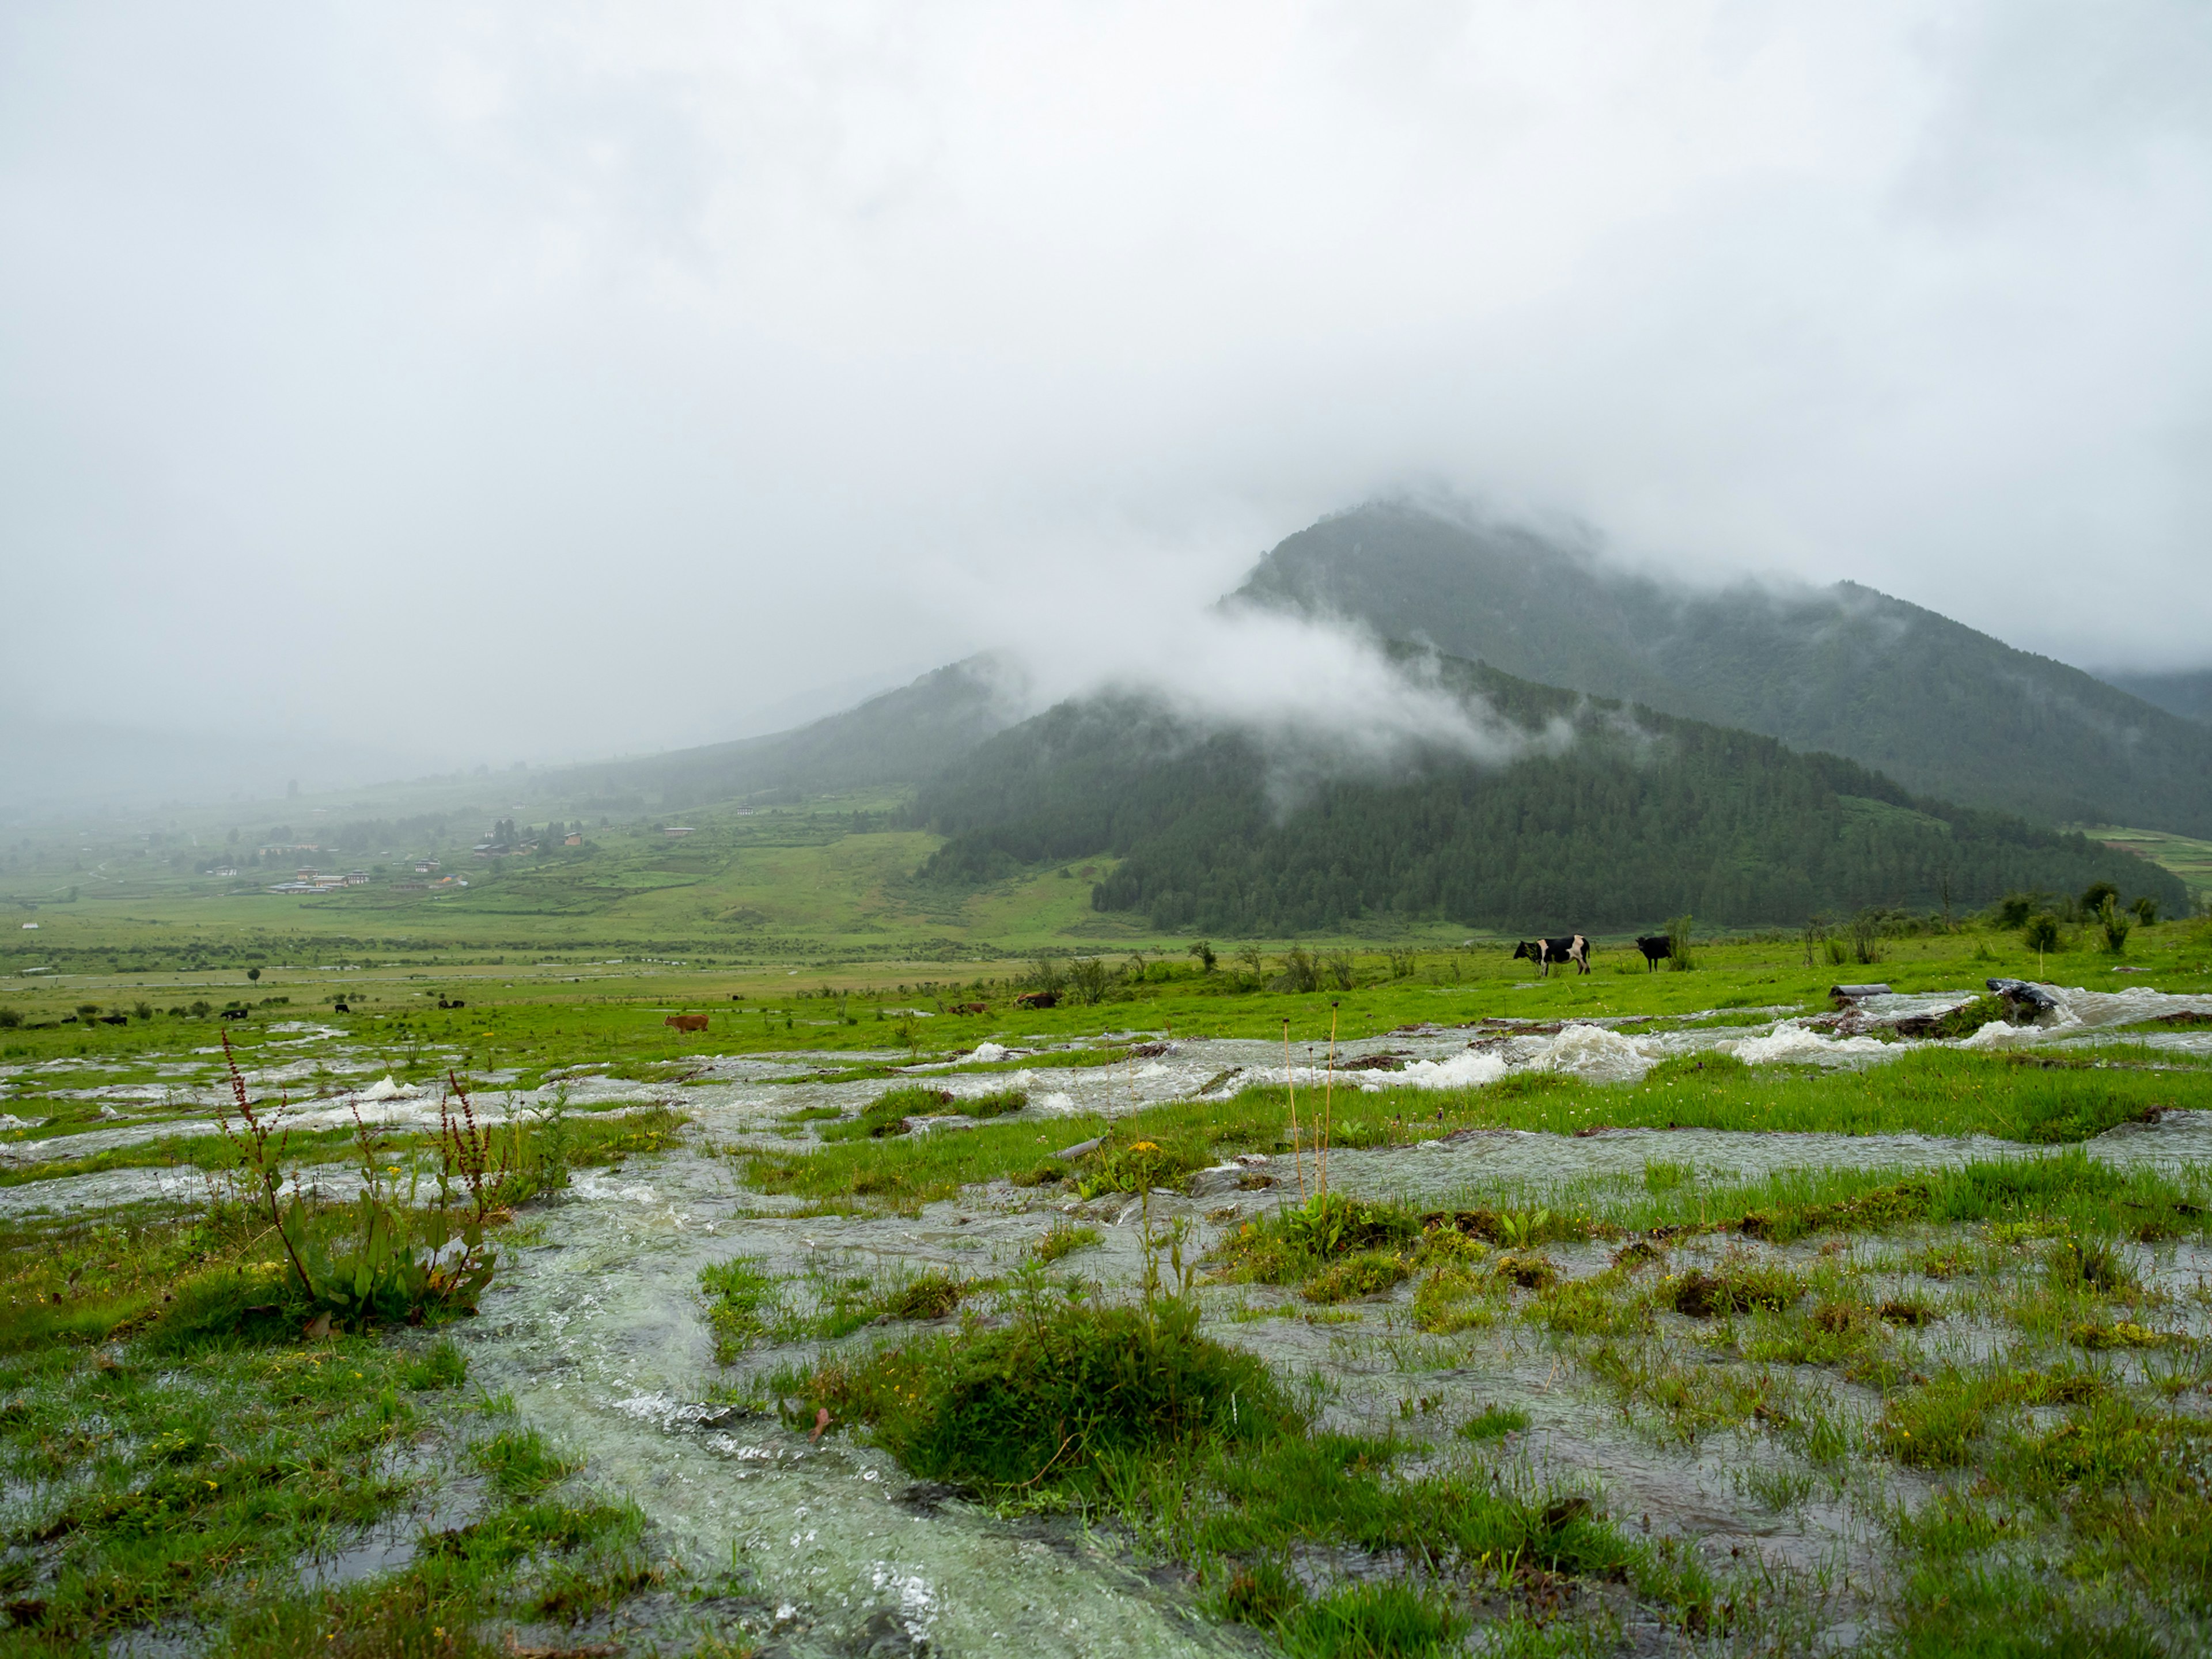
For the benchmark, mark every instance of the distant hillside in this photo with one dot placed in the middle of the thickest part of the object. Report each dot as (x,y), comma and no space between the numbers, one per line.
(1926,700)
(2188,695)
(898,737)
(1639,819)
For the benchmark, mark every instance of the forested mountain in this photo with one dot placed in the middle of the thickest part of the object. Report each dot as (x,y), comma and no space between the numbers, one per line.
(2188,695)
(1925,699)
(898,737)
(1642,816)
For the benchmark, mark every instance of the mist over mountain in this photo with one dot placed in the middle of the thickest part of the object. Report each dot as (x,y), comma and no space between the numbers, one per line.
(895,737)
(1941,708)
(1638,817)
(53,767)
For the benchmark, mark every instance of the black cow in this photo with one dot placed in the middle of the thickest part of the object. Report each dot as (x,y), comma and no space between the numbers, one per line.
(233,1014)
(1545,951)
(1656,948)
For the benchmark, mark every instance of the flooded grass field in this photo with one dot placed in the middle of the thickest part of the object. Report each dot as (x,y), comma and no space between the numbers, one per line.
(1686,1313)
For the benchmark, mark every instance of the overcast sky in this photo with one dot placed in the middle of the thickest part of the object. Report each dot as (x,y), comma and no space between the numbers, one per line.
(544,381)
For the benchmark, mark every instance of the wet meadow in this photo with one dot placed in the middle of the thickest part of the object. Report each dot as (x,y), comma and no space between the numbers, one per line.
(1632,1312)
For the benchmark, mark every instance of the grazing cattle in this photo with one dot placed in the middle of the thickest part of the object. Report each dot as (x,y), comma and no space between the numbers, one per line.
(1656,948)
(115,1019)
(687,1022)
(971,1007)
(233,1013)
(1037,999)
(455,1003)
(341,1008)
(1545,951)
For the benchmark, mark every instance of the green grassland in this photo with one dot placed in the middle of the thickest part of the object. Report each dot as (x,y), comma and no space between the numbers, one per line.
(533,1018)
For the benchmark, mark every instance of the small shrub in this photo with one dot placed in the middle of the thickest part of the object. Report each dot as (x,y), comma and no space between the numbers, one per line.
(2115,924)
(2041,933)
(1088,979)
(1866,938)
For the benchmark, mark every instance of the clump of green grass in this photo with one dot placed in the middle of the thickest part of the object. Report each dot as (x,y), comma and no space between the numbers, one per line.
(999,1102)
(1454,1297)
(888,1113)
(1066,1384)
(2091,1265)
(1737,1283)
(928,1295)
(441,1366)
(744,1306)
(1064,1238)
(1366,1274)
(521,1462)
(1360,1620)
(1129,1161)
(1602,1305)
(1494,1423)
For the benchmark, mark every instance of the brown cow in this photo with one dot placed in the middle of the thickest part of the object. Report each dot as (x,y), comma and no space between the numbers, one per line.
(687,1022)
(1037,999)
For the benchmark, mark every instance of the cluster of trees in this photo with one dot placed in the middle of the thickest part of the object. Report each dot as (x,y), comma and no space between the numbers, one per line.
(1636,818)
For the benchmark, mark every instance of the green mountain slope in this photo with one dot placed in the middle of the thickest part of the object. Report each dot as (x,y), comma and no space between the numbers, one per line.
(1643,816)
(1926,700)
(896,739)
(2188,694)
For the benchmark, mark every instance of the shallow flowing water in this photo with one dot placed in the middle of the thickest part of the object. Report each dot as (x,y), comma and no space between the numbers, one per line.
(598,1331)
(596,1325)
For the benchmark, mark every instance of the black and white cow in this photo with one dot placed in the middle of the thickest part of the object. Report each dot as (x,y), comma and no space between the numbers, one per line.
(1545,951)
(1656,948)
